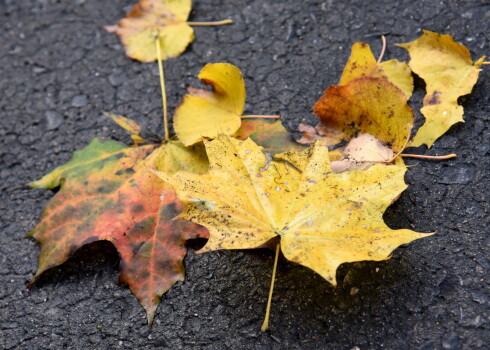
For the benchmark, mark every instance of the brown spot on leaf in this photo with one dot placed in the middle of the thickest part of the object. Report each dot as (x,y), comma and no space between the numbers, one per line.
(137,208)
(128,171)
(171,210)
(136,247)
(145,274)
(432,99)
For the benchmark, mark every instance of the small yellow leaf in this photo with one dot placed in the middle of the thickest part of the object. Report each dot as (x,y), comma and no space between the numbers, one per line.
(205,114)
(362,64)
(449,73)
(127,124)
(138,133)
(322,218)
(151,20)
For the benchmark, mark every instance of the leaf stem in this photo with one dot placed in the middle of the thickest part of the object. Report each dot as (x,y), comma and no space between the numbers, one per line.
(162,87)
(265,325)
(206,24)
(400,151)
(421,156)
(383,39)
(260,116)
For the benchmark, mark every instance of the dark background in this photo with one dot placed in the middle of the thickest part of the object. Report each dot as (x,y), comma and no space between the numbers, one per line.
(59,70)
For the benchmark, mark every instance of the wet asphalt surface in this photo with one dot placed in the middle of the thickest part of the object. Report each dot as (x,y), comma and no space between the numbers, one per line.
(59,70)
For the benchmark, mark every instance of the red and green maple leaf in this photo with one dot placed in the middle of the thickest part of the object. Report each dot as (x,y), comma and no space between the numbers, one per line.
(107,192)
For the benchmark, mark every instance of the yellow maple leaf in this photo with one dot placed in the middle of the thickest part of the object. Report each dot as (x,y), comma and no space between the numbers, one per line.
(362,63)
(151,20)
(323,219)
(205,114)
(449,73)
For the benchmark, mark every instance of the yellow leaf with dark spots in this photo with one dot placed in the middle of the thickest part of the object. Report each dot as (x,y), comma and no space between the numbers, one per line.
(323,218)
(364,105)
(363,64)
(449,73)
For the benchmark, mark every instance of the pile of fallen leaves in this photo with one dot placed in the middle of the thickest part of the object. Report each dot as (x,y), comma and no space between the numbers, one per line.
(241,181)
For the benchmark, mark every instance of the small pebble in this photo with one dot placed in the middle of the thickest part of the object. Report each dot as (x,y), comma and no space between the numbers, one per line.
(53,119)
(354,291)
(79,101)
(117,78)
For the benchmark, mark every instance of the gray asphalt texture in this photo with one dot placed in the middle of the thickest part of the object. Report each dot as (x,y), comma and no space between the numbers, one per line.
(59,70)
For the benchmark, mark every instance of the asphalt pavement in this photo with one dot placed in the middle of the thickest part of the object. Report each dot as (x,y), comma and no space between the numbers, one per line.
(59,70)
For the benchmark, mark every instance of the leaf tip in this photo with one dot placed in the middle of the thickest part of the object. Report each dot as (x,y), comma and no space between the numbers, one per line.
(30,283)
(150,317)
(150,309)
(480,61)
(33,184)
(111,28)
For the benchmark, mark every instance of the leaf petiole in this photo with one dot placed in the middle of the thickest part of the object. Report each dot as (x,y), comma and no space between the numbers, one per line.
(421,156)
(265,325)
(383,39)
(400,151)
(206,24)
(162,87)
